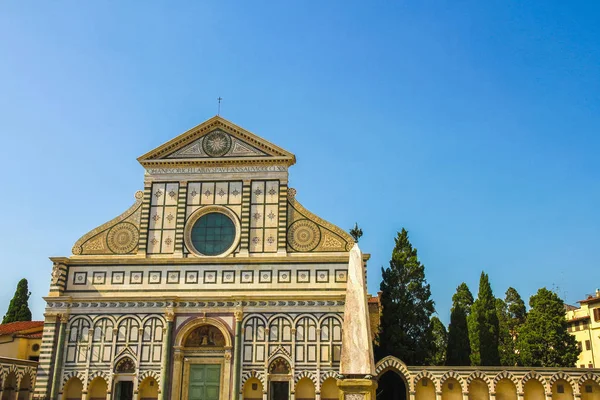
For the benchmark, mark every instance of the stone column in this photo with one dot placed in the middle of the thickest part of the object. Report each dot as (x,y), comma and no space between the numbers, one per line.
(438,395)
(492,395)
(465,395)
(548,395)
(520,396)
(237,356)
(412,395)
(57,372)
(166,356)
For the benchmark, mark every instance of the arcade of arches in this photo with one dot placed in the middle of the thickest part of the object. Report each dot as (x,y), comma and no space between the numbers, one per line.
(398,381)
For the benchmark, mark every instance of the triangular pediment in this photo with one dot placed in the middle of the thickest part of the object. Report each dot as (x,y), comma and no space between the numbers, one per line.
(217,141)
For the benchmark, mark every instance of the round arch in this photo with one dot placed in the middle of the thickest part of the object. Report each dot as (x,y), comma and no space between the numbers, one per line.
(394,380)
(191,325)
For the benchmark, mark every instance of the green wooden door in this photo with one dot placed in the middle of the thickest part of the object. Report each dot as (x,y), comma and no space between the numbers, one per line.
(204,382)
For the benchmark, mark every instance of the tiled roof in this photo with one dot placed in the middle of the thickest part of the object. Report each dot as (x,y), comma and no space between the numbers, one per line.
(15,327)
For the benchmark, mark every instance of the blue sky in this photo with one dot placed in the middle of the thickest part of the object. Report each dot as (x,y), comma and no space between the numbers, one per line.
(473,124)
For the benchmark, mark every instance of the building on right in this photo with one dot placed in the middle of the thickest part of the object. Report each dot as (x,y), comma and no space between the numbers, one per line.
(584,324)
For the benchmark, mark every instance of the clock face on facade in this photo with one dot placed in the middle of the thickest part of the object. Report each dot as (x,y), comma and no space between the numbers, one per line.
(212,234)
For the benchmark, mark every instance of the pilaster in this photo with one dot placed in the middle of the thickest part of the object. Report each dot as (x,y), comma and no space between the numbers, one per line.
(237,355)
(245,234)
(164,368)
(57,370)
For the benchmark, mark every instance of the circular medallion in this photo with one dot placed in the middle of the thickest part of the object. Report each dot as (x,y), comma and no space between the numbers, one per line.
(123,238)
(216,144)
(303,235)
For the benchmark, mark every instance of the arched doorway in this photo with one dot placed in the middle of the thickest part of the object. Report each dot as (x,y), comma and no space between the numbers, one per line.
(148,389)
(590,390)
(97,389)
(425,389)
(253,389)
(478,390)
(124,379)
(279,379)
(73,389)
(534,390)
(562,390)
(25,388)
(451,389)
(202,361)
(392,386)
(329,390)
(304,390)
(506,390)
(9,386)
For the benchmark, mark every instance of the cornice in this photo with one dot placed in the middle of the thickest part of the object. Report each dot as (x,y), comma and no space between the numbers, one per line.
(312,258)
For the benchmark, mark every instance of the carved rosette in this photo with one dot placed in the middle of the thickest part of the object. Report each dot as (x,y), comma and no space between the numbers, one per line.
(304,235)
(216,143)
(123,238)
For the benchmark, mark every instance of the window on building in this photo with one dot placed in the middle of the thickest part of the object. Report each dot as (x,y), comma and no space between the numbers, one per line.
(590,365)
(579,346)
(596,314)
(587,345)
(588,388)
(582,366)
(560,388)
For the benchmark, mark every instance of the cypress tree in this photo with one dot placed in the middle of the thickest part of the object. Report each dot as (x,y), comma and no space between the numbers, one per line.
(459,349)
(506,343)
(511,316)
(440,342)
(483,326)
(515,310)
(543,340)
(404,330)
(18,309)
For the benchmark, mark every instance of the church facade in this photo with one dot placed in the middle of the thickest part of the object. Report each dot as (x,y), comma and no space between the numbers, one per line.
(217,284)
(216,281)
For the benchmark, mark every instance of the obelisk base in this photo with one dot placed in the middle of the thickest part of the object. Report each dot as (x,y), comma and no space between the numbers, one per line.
(357,389)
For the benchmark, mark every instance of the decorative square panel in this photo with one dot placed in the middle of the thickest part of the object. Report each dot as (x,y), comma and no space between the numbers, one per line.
(303,276)
(99,278)
(247,276)
(154,277)
(284,276)
(322,276)
(135,277)
(210,276)
(228,277)
(341,275)
(265,276)
(191,277)
(80,278)
(117,278)
(172,276)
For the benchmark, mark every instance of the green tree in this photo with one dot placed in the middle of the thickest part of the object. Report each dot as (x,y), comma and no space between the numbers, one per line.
(516,310)
(506,342)
(406,303)
(483,326)
(543,340)
(440,342)
(459,349)
(18,309)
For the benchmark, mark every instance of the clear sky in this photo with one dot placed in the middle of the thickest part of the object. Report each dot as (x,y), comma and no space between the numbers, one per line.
(474,124)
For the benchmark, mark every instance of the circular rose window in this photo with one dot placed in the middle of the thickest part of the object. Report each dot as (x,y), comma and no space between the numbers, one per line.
(212,231)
